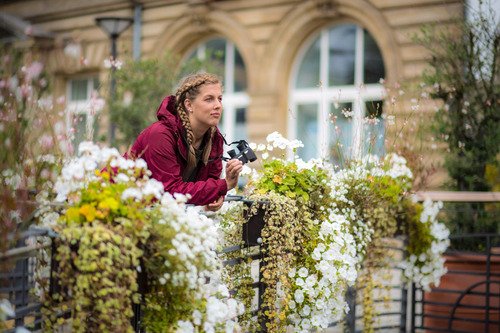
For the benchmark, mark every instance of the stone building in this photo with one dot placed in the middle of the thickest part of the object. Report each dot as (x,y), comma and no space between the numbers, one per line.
(290,65)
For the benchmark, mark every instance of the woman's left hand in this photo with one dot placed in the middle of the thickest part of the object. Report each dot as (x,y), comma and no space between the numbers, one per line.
(216,205)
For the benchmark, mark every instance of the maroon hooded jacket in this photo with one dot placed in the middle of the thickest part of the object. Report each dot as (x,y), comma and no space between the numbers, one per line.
(164,148)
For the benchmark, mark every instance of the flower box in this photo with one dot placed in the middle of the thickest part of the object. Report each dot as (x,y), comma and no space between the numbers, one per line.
(252,229)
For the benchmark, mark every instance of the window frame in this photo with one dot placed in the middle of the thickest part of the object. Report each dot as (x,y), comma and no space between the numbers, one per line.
(358,94)
(74,108)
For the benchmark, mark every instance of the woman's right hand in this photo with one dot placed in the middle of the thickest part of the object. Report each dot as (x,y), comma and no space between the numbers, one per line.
(233,169)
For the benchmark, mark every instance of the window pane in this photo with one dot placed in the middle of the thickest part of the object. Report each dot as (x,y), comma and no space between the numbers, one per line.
(80,127)
(216,49)
(240,129)
(308,76)
(95,83)
(307,130)
(342,42)
(374,128)
(373,62)
(340,131)
(240,74)
(78,90)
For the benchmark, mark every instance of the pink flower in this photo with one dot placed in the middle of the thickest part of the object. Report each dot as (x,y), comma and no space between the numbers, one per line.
(29,30)
(33,71)
(46,141)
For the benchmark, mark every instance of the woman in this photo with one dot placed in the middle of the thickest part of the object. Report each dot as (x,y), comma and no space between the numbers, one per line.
(183,149)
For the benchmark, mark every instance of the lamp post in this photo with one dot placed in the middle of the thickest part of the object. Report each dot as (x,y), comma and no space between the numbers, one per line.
(113,27)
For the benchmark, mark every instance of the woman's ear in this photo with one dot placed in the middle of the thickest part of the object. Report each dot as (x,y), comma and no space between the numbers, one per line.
(187,104)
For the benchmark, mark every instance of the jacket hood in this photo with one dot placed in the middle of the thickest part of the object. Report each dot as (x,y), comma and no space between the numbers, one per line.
(166,108)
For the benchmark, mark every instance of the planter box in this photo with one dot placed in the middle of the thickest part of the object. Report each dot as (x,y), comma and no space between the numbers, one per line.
(252,229)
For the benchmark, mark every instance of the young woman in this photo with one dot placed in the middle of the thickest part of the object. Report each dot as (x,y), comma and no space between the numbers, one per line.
(183,149)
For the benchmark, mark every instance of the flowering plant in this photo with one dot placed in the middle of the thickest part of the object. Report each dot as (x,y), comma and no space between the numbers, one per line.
(117,226)
(27,161)
(344,218)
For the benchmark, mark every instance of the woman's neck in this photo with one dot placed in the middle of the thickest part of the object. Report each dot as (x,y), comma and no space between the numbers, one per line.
(199,134)
(198,138)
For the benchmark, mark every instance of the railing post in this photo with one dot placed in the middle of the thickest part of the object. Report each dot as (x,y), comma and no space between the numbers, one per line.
(488,281)
(21,287)
(351,316)
(413,306)
(404,308)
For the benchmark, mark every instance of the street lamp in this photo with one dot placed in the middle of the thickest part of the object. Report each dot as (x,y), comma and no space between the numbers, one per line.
(113,27)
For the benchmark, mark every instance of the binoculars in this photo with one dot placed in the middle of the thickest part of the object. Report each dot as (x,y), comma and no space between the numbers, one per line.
(242,152)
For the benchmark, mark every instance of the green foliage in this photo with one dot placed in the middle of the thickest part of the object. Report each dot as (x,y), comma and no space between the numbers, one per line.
(281,242)
(464,75)
(419,234)
(238,276)
(96,278)
(306,186)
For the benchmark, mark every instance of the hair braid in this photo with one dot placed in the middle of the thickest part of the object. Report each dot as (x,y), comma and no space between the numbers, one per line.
(189,89)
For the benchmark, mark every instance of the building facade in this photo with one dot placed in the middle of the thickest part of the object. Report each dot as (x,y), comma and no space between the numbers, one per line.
(310,69)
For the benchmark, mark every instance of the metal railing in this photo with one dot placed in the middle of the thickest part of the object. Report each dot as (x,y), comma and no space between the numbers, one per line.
(17,281)
(468,299)
(412,309)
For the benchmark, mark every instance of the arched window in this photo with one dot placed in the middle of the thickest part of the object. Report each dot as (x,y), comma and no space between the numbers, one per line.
(224,54)
(336,94)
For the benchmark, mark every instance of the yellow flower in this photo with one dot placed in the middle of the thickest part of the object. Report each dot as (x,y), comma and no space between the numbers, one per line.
(103,174)
(73,214)
(277,179)
(100,214)
(88,211)
(109,204)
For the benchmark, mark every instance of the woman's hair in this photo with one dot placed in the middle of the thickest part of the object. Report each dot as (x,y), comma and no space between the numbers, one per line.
(189,89)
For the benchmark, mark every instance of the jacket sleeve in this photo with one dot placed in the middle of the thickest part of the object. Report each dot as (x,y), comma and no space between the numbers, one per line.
(164,165)
(215,168)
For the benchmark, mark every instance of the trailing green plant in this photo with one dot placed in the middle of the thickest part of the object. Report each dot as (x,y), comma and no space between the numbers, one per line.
(115,224)
(238,275)
(96,278)
(279,246)
(345,219)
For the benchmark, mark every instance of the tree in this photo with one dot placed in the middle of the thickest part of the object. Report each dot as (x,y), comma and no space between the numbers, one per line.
(464,75)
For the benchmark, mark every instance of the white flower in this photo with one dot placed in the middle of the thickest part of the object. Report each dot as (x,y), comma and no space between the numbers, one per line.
(133,193)
(154,188)
(6,308)
(303,272)
(184,327)
(122,178)
(299,296)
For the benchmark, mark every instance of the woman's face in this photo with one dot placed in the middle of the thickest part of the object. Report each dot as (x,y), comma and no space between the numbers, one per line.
(205,110)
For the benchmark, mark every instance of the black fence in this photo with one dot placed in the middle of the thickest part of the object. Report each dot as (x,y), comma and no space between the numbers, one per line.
(17,278)
(468,299)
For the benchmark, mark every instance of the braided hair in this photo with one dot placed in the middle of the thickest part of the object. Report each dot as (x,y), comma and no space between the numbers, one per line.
(189,89)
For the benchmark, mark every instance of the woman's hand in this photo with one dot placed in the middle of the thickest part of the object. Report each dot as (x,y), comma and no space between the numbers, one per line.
(215,206)
(233,169)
